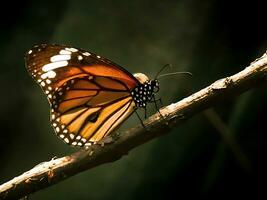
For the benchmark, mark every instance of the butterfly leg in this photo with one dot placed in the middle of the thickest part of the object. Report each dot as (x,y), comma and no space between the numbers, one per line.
(145,113)
(139,119)
(156,105)
(158,100)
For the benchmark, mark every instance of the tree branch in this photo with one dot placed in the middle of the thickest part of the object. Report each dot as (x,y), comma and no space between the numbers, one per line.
(56,170)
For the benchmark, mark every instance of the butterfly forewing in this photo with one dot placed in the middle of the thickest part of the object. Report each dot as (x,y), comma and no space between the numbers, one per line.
(89,95)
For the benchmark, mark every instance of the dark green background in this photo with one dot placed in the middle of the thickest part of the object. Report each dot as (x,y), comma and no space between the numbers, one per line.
(212,39)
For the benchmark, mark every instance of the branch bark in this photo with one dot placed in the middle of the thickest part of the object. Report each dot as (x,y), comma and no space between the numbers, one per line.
(48,173)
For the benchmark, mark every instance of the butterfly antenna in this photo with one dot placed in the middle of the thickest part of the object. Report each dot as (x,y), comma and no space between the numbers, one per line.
(174,73)
(164,67)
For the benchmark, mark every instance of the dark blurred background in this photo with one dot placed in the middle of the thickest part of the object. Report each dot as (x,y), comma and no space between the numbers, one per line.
(210,38)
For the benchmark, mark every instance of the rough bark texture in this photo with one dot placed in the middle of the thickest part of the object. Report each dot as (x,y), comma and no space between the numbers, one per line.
(56,170)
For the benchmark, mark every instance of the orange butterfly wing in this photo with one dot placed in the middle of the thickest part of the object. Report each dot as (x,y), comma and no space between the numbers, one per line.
(89,95)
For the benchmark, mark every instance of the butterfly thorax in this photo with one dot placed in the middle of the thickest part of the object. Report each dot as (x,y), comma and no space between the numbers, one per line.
(145,92)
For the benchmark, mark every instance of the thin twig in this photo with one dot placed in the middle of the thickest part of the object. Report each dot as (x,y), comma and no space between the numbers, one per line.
(228,139)
(56,170)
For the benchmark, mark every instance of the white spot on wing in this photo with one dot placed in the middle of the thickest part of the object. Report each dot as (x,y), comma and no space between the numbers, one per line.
(50,74)
(71,136)
(64,52)
(57,58)
(66,140)
(86,54)
(71,49)
(54,65)
(30,52)
(80,57)
(83,139)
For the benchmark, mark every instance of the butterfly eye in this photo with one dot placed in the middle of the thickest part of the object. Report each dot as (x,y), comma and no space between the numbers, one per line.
(155,86)
(155,89)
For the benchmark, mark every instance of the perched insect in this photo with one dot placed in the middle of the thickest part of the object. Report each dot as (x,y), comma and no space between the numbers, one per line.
(89,95)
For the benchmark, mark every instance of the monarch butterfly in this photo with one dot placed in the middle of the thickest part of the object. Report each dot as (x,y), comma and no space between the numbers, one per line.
(89,95)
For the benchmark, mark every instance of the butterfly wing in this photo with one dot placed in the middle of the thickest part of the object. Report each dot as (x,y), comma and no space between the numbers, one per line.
(89,95)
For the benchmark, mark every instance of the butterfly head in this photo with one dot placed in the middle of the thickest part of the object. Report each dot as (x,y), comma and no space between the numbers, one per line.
(155,85)
(144,92)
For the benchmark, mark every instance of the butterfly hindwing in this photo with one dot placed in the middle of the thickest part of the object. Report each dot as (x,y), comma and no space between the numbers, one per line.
(89,95)
(88,118)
